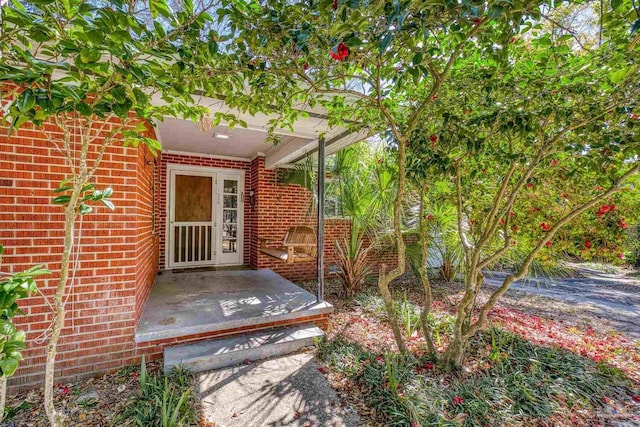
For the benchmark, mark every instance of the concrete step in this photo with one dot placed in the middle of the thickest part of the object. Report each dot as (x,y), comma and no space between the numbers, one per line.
(223,352)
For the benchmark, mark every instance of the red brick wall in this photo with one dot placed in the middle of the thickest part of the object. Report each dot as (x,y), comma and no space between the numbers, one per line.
(147,252)
(115,264)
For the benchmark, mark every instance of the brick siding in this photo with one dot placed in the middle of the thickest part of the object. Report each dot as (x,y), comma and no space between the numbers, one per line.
(121,250)
(116,264)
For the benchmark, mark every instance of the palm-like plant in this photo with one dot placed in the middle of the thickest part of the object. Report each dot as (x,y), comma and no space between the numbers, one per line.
(364,186)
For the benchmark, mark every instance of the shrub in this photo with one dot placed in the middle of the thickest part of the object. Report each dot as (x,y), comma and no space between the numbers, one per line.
(163,401)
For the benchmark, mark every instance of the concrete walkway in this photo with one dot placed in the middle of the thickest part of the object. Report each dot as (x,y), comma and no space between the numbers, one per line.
(285,391)
(610,296)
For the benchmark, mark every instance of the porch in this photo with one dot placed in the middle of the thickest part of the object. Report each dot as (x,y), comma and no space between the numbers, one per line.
(223,302)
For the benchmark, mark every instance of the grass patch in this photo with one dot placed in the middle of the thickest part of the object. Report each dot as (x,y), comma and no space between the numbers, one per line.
(514,382)
(162,401)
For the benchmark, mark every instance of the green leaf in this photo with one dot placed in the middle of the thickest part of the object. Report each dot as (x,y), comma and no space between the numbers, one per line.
(213,47)
(26,101)
(121,36)
(495,11)
(20,336)
(107,192)
(61,200)
(160,7)
(84,109)
(108,203)
(8,366)
(7,328)
(618,75)
(385,42)
(85,209)
(89,55)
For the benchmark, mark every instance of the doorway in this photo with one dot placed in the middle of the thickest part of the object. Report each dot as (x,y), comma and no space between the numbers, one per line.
(205,216)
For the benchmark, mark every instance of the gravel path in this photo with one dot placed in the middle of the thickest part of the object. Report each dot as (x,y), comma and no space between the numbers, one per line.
(595,295)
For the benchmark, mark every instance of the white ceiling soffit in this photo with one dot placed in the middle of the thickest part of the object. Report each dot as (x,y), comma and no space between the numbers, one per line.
(309,128)
(179,135)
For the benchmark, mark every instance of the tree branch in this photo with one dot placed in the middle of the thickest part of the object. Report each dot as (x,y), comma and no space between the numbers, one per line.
(524,268)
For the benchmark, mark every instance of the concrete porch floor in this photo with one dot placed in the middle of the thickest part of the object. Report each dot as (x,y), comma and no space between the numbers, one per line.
(188,303)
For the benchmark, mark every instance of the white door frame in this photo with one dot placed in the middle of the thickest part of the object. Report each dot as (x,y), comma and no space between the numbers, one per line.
(216,210)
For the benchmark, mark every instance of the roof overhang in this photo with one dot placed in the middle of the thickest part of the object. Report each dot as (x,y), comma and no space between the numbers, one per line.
(246,143)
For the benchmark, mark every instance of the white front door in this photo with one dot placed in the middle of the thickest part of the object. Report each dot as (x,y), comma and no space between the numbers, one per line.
(205,217)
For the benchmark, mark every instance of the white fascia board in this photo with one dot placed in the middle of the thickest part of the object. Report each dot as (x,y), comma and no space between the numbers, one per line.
(283,156)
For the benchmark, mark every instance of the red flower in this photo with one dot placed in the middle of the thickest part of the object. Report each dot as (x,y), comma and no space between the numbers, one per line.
(323,370)
(513,39)
(554,162)
(502,221)
(306,66)
(379,161)
(433,138)
(334,6)
(548,244)
(622,225)
(634,116)
(458,400)
(620,255)
(428,366)
(429,217)
(530,185)
(635,398)
(587,244)
(514,243)
(545,226)
(65,391)
(603,210)
(434,97)
(339,51)
(511,214)
(134,375)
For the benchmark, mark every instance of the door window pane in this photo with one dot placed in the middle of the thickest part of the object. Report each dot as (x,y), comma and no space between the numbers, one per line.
(229,246)
(230,201)
(229,230)
(230,216)
(230,186)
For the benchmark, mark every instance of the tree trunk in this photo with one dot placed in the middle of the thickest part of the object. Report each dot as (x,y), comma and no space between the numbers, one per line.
(3,395)
(383,285)
(386,278)
(424,316)
(454,355)
(56,419)
(424,274)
